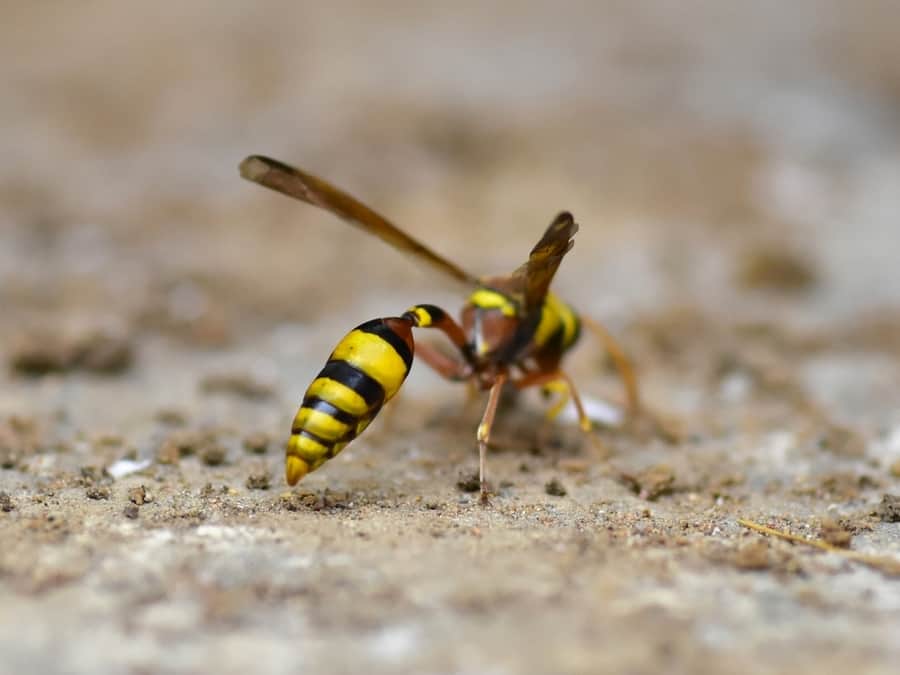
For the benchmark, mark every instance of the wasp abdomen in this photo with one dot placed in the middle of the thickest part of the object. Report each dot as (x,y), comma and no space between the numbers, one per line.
(363,372)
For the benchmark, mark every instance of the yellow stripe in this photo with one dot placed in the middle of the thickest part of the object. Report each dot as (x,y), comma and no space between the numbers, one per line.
(339,395)
(548,325)
(321,424)
(307,449)
(422,315)
(363,423)
(294,469)
(375,357)
(484,298)
(568,318)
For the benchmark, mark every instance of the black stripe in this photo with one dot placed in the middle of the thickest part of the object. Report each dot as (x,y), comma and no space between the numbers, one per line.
(317,439)
(577,333)
(521,340)
(350,376)
(382,330)
(555,341)
(330,409)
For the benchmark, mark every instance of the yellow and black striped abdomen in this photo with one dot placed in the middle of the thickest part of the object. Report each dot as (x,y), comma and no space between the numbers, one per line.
(363,372)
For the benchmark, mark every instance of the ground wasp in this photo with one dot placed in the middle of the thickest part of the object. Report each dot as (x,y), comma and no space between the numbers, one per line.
(512,330)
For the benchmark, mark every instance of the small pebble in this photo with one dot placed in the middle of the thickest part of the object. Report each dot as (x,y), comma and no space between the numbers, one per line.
(214,455)
(753,556)
(258,481)
(889,509)
(97,492)
(139,495)
(257,443)
(834,533)
(469,482)
(555,488)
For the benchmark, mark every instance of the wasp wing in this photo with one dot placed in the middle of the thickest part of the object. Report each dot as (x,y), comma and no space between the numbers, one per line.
(313,190)
(535,275)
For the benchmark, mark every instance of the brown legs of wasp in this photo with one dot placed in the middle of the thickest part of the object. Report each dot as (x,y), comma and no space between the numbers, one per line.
(623,365)
(457,370)
(484,432)
(444,365)
(430,316)
(641,419)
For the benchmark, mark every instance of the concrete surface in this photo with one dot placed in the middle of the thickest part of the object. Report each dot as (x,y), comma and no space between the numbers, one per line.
(734,169)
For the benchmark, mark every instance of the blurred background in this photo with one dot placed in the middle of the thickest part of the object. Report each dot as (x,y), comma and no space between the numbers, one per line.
(684,138)
(740,157)
(734,168)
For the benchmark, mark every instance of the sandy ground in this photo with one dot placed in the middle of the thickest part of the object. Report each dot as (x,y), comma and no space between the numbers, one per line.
(734,170)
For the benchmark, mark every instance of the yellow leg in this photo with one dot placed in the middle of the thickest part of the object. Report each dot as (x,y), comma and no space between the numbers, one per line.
(559,381)
(556,387)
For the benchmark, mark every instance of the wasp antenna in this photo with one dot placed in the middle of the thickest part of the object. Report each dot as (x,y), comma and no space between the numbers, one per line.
(254,168)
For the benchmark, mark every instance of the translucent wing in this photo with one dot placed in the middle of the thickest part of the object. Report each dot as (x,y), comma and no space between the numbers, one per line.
(295,183)
(535,275)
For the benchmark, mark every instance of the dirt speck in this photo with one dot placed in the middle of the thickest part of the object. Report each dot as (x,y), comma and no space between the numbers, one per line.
(102,352)
(213,455)
(89,475)
(889,509)
(9,456)
(257,443)
(753,556)
(555,488)
(139,495)
(98,492)
(39,354)
(183,444)
(173,417)
(168,454)
(18,438)
(843,441)
(468,482)
(835,533)
(258,481)
(6,502)
(310,501)
(841,485)
(651,483)
(776,268)
(243,385)
(574,465)
(42,351)
(292,501)
(131,511)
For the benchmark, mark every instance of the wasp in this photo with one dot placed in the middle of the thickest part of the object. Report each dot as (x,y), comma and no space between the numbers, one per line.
(512,331)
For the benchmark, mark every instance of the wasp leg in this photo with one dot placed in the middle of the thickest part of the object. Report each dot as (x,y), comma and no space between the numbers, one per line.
(556,387)
(431,316)
(443,365)
(484,431)
(583,420)
(622,362)
(557,380)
